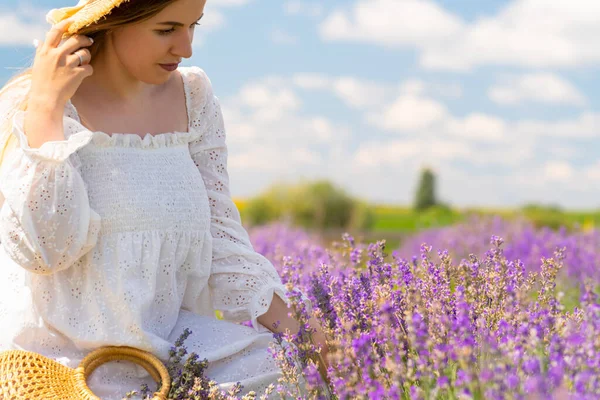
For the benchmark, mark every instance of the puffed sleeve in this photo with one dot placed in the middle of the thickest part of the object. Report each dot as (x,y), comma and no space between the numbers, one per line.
(242,281)
(46,223)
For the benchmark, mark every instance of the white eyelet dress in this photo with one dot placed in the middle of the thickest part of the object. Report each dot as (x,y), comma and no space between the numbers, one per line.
(123,240)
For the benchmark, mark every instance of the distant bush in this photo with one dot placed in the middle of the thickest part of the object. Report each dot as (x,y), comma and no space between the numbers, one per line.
(258,211)
(533,207)
(269,206)
(363,217)
(313,205)
(551,216)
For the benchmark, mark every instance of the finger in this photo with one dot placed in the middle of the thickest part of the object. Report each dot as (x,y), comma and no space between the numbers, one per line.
(74,60)
(76,42)
(54,35)
(87,69)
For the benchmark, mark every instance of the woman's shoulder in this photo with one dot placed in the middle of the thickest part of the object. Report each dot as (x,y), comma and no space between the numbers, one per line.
(197,78)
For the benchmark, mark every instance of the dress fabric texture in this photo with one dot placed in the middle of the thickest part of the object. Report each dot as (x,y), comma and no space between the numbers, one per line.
(128,240)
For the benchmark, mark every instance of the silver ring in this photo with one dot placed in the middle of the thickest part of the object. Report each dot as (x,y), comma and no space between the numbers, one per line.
(80,60)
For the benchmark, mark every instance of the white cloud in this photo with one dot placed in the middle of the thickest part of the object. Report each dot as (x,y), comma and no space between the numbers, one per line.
(420,87)
(212,21)
(478,126)
(16,31)
(586,125)
(271,137)
(525,33)
(481,158)
(355,93)
(312,81)
(281,37)
(402,152)
(391,23)
(430,132)
(260,96)
(323,128)
(408,110)
(592,172)
(359,94)
(273,160)
(413,87)
(540,183)
(493,139)
(558,171)
(409,113)
(365,94)
(269,112)
(295,7)
(214,18)
(541,87)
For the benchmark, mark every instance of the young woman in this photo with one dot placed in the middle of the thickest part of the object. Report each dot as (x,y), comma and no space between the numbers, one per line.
(117,225)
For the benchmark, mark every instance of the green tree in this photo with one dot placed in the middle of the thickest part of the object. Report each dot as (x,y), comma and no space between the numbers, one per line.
(425,196)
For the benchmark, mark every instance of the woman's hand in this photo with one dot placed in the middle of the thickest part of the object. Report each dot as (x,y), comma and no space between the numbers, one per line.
(277,319)
(56,72)
(321,342)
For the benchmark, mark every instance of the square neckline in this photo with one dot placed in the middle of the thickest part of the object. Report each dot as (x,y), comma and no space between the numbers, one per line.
(143,137)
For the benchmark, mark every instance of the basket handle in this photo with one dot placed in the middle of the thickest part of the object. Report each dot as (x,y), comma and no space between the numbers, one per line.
(105,354)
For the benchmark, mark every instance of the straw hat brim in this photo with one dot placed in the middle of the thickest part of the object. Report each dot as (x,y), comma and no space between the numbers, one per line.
(83,15)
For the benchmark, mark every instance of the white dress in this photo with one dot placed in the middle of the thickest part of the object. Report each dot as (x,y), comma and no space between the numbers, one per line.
(123,240)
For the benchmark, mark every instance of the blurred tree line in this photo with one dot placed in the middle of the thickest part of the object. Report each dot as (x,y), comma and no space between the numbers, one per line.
(322,206)
(316,205)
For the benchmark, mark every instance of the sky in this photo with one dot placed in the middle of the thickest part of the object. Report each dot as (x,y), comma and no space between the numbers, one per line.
(501,98)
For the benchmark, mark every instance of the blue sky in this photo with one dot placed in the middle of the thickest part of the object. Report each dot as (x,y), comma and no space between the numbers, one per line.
(501,98)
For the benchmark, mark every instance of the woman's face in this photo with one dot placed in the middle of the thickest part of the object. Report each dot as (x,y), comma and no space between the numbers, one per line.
(166,38)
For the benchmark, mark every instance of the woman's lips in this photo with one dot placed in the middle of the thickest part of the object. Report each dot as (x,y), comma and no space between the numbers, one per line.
(169,67)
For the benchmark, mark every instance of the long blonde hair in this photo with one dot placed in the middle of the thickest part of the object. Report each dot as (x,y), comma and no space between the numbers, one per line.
(129,12)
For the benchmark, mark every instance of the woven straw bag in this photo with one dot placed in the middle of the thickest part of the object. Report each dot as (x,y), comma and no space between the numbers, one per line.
(28,375)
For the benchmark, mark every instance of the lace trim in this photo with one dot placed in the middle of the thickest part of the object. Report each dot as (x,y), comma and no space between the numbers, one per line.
(193,101)
(148,141)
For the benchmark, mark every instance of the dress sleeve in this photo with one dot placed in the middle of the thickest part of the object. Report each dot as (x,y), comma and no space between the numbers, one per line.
(46,223)
(242,281)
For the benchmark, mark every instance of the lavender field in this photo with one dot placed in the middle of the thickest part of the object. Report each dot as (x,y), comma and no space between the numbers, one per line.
(486,309)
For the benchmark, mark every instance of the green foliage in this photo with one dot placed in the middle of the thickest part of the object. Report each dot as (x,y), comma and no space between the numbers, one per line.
(269,206)
(258,211)
(314,205)
(322,206)
(425,196)
(534,207)
(551,216)
(362,217)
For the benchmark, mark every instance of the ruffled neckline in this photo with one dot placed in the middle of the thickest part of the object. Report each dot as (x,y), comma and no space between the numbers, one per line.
(148,140)
(102,139)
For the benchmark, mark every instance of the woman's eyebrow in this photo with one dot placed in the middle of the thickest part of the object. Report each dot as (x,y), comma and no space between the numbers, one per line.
(177,23)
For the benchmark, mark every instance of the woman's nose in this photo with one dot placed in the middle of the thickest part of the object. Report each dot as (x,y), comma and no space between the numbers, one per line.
(183,46)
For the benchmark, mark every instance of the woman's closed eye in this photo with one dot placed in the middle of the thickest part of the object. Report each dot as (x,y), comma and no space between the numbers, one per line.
(168,31)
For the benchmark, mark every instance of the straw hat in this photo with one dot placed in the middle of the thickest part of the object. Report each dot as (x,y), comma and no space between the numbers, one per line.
(85,13)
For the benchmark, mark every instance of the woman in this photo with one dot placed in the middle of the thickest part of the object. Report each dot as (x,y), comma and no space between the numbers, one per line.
(117,226)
